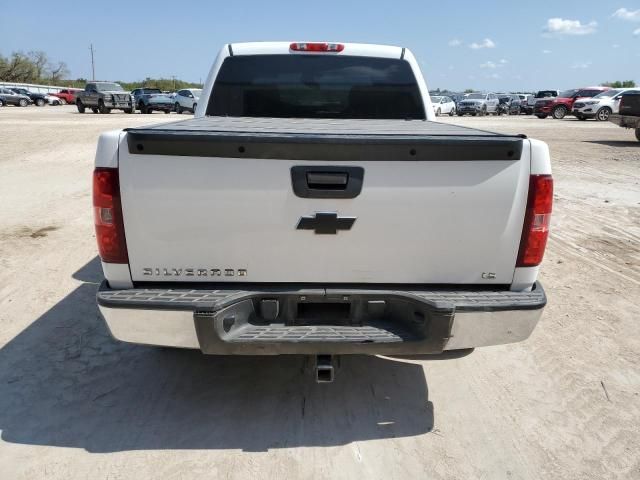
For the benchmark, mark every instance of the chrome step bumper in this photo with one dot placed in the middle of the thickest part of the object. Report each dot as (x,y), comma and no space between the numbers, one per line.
(336,320)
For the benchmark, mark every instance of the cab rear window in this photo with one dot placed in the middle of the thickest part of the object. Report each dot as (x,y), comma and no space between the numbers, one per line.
(316,86)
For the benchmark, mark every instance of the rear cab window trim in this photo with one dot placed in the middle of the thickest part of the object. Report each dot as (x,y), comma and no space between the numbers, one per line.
(322,86)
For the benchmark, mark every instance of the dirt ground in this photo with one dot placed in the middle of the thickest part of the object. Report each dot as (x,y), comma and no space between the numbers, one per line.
(76,404)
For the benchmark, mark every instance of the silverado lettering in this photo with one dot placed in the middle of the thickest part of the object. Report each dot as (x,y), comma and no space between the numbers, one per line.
(190,272)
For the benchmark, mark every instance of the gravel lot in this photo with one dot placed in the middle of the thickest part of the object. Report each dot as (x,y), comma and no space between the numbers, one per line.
(76,404)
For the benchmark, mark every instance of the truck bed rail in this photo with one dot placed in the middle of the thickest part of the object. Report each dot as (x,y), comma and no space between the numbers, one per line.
(307,139)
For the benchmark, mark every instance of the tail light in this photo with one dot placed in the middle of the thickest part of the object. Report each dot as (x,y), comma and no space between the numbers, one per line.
(107,211)
(536,221)
(317,47)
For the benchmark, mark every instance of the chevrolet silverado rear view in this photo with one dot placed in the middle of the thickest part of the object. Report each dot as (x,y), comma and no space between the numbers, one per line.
(314,206)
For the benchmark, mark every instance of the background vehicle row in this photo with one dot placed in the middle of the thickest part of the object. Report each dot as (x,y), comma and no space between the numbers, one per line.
(22,97)
(9,97)
(562,105)
(103,97)
(40,99)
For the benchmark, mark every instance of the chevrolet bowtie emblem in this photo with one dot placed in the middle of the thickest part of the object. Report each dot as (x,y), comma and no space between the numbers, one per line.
(326,223)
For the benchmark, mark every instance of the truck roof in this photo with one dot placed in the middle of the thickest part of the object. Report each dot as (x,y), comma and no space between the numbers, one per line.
(283,48)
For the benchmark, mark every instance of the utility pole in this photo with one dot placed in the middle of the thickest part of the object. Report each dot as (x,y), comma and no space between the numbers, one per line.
(93,65)
(174,81)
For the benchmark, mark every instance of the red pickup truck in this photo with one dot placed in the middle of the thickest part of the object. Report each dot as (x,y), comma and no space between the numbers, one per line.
(67,95)
(562,105)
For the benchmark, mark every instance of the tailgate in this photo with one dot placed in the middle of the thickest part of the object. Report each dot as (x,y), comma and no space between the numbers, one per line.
(258,204)
(630,104)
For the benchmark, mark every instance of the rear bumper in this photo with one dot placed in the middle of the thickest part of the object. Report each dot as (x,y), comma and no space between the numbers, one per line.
(295,320)
(161,106)
(542,110)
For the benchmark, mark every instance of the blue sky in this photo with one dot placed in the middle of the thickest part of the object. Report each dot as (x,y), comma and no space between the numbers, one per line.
(498,45)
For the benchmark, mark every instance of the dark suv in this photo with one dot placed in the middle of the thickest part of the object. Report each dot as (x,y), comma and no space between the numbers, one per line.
(510,104)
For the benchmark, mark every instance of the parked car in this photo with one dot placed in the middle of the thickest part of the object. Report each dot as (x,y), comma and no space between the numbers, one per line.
(516,105)
(503,104)
(562,105)
(255,228)
(543,96)
(601,106)
(187,99)
(103,97)
(510,104)
(527,101)
(40,99)
(628,115)
(149,99)
(503,109)
(52,99)
(630,103)
(67,95)
(456,97)
(443,106)
(9,97)
(478,104)
(546,94)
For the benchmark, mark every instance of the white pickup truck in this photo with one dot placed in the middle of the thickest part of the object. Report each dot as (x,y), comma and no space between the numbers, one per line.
(313,206)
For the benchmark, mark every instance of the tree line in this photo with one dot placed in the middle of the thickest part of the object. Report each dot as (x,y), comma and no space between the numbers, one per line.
(620,84)
(31,67)
(36,67)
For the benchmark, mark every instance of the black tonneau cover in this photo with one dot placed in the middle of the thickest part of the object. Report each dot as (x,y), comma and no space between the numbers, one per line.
(310,139)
